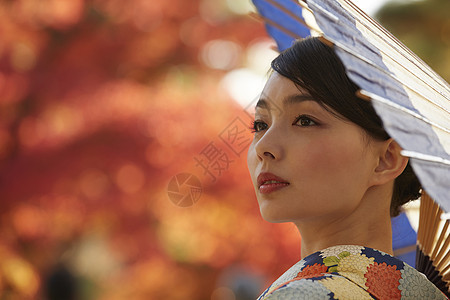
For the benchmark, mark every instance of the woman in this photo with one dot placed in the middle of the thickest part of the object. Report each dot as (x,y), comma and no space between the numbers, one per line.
(321,159)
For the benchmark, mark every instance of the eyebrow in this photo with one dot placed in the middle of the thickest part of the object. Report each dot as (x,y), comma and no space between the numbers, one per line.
(292,99)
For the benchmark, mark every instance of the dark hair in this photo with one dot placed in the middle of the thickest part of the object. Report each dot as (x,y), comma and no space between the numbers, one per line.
(314,66)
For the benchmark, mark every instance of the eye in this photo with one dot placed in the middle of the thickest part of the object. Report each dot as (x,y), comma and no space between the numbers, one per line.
(304,121)
(258,126)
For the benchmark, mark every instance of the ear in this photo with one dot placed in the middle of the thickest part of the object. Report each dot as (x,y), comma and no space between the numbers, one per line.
(391,163)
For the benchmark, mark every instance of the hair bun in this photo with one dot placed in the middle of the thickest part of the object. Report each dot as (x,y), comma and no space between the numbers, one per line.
(407,187)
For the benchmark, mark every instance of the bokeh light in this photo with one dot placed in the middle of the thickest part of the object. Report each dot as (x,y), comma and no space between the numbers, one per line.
(220,54)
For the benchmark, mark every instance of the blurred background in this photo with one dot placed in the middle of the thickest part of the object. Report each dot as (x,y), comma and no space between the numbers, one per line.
(123,138)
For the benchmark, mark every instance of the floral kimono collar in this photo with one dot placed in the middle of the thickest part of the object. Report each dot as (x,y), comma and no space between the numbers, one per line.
(351,272)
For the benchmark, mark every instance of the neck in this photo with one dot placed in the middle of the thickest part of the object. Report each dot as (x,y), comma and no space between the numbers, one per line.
(368,225)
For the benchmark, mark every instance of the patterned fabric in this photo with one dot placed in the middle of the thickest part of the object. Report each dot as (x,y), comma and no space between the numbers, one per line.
(351,272)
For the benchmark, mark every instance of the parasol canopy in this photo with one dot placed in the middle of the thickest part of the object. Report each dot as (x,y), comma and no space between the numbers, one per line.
(412,100)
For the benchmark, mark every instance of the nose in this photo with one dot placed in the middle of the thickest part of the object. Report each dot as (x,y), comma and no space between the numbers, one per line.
(269,146)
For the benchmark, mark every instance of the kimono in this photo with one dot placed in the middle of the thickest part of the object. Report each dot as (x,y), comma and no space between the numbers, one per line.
(351,272)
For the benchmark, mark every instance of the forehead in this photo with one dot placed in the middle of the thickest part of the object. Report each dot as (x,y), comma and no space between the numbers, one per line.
(280,85)
(279,92)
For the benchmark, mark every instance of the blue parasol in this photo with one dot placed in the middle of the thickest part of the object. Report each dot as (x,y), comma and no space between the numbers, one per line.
(411,99)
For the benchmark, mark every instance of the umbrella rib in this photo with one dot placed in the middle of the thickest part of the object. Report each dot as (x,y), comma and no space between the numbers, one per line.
(387,33)
(298,19)
(426,78)
(401,108)
(440,82)
(292,15)
(391,39)
(426,157)
(276,25)
(288,12)
(389,74)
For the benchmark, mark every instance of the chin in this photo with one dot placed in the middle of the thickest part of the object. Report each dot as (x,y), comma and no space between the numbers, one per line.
(273,216)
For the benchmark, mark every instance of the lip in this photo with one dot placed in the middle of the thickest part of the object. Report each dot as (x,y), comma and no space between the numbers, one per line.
(270,187)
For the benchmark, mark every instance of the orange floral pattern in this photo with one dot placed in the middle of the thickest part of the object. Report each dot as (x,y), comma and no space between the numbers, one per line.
(315,270)
(352,272)
(383,281)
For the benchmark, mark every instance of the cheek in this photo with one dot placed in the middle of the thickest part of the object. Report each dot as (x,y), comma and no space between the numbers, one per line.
(337,162)
(251,160)
(330,179)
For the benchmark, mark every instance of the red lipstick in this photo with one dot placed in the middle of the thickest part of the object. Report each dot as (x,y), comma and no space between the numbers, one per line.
(268,183)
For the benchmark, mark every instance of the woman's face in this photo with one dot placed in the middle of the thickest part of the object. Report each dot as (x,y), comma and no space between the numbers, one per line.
(320,166)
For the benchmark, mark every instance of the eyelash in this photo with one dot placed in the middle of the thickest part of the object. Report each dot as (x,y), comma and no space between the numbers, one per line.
(255,123)
(305,117)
